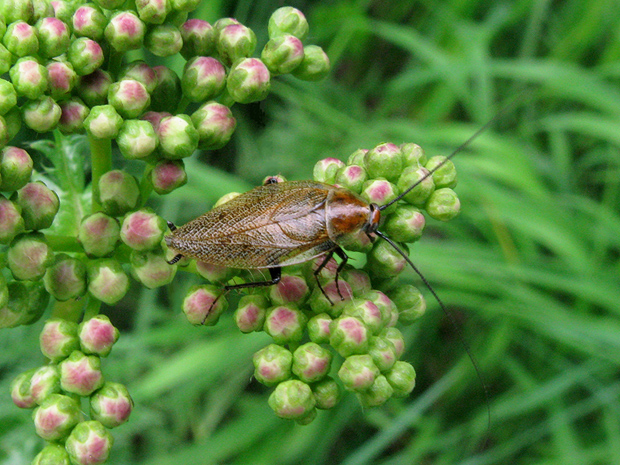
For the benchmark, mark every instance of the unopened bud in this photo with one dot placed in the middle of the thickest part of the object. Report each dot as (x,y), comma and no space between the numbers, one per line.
(367,312)
(167,90)
(395,337)
(21,39)
(348,336)
(111,405)
(283,54)
(358,372)
(29,78)
(89,21)
(85,55)
(443,204)
(155,117)
(107,281)
(185,5)
(8,96)
(29,256)
(315,65)
(203,79)
(66,278)
(52,454)
(80,374)
(215,125)
(16,10)
(129,97)
(327,393)
(326,170)
(290,289)
(377,394)
(384,161)
(168,175)
(215,273)
(248,81)
(331,299)
(63,10)
(118,192)
(103,122)
(6,58)
(445,175)
(54,37)
(10,124)
(351,177)
(358,280)
(383,353)
(379,192)
(143,229)
(11,221)
(58,339)
(292,399)
(153,11)
(285,324)
(384,260)
(27,302)
(41,115)
(406,224)
(89,443)
(56,417)
(235,41)
(45,381)
(93,88)
(99,233)
(288,20)
(204,305)
(62,78)
(318,328)
(15,168)
(272,364)
(137,139)
(151,268)
(413,155)
(97,335)
(420,193)
(21,392)
(178,137)
(311,362)
(125,31)
(198,38)
(250,313)
(389,312)
(163,40)
(410,302)
(402,378)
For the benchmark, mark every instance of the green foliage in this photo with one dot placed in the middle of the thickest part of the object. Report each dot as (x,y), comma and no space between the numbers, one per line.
(530,267)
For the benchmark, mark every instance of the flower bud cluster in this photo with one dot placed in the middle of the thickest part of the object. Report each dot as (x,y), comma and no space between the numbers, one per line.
(54,390)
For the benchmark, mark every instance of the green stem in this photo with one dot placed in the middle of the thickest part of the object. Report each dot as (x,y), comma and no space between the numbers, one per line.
(182,104)
(92,308)
(63,243)
(101,161)
(69,310)
(115,62)
(146,186)
(226,99)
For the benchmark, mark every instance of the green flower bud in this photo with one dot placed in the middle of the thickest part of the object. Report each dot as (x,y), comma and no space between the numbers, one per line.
(29,256)
(283,54)
(272,364)
(215,273)
(198,38)
(42,9)
(29,78)
(167,91)
(420,193)
(178,137)
(443,204)
(56,417)
(111,405)
(413,155)
(163,40)
(8,96)
(141,72)
(58,339)
(410,302)
(250,313)
(6,59)
(80,374)
(290,289)
(110,4)
(326,170)
(118,192)
(89,443)
(21,39)
(151,268)
(97,336)
(99,233)
(52,454)
(54,37)
(380,192)
(235,41)
(315,65)
(395,337)
(311,362)
(153,11)
(62,78)
(125,31)
(103,122)
(358,372)
(89,21)
(330,301)
(143,230)
(367,312)
(215,125)
(12,123)
(72,117)
(348,336)
(11,221)
(4,292)
(203,79)
(384,260)
(225,198)
(16,10)
(15,168)
(285,324)
(63,10)
(377,394)
(351,177)
(288,20)
(137,139)
(41,115)
(318,328)
(444,176)
(85,55)
(406,224)
(204,305)
(27,302)
(21,392)
(66,278)
(106,280)
(248,81)
(39,205)
(384,161)
(357,157)
(168,175)
(383,353)
(292,400)
(327,393)
(402,378)
(45,381)
(358,280)
(176,17)
(93,88)
(129,97)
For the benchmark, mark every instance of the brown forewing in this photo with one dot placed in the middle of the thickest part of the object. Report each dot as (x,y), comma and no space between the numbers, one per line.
(273,225)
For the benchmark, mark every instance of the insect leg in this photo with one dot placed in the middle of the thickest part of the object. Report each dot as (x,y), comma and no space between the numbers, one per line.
(174,259)
(171,226)
(344,257)
(276,274)
(328,257)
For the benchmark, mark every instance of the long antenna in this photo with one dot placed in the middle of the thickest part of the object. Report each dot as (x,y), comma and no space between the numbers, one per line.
(457,150)
(450,316)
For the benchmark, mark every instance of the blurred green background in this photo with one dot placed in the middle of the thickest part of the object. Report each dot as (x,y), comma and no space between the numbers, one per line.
(530,268)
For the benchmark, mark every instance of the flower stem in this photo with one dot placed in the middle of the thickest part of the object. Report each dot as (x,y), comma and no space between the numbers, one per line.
(101,161)
(69,310)
(92,308)
(182,104)
(63,243)
(146,186)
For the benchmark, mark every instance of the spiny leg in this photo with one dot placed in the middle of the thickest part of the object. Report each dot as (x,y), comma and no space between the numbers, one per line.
(338,251)
(345,258)
(177,257)
(171,226)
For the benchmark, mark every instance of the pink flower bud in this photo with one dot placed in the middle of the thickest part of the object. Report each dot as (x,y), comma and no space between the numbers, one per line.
(58,339)
(89,443)
(168,175)
(235,41)
(283,54)
(285,324)
(204,305)
(315,65)
(163,40)
(248,81)
(118,192)
(54,37)
(39,205)
(143,230)
(395,337)
(85,55)
(11,221)
(21,39)
(327,393)
(62,78)
(89,21)
(151,268)
(292,400)
(178,137)
(45,381)
(80,374)
(272,364)
(325,170)
(125,31)
(21,392)
(111,405)
(377,394)
(29,256)
(215,125)
(288,20)
(141,72)
(107,281)
(318,328)
(358,372)
(153,11)
(93,88)
(367,312)
(56,417)
(72,117)
(250,313)
(290,289)
(349,335)
(41,115)
(129,97)
(66,278)
(203,79)
(29,78)
(311,362)
(137,139)
(15,168)
(198,38)
(97,335)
